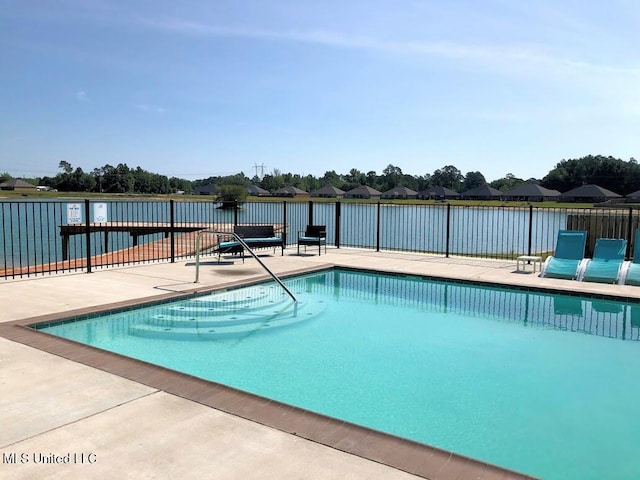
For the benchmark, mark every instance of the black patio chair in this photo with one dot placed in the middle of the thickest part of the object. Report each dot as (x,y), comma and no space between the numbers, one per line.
(312,236)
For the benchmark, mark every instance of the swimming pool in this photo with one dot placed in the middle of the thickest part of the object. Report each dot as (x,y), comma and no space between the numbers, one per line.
(535,382)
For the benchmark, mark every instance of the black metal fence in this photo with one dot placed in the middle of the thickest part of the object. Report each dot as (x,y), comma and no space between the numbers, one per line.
(47,237)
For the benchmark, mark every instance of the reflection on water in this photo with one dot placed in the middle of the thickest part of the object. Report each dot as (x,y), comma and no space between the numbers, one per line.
(607,318)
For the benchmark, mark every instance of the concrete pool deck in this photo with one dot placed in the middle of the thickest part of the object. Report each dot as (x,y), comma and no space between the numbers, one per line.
(101,425)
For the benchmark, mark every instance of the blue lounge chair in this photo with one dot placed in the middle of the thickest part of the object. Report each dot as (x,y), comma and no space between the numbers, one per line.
(607,261)
(568,257)
(630,272)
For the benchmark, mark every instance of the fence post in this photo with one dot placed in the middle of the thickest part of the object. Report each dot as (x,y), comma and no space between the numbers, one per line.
(629,235)
(87,226)
(337,227)
(310,215)
(378,228)
(448,229)
(284,223)
(235,213)
(173,226)
(530,229)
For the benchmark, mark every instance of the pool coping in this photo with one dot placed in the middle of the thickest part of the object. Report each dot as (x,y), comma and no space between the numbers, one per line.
(405,455)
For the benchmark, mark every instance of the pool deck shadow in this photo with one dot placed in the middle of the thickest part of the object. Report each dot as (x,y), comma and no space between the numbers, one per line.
(72,411)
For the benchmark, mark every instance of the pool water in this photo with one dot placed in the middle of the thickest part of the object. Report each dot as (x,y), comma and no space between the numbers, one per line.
(539,383)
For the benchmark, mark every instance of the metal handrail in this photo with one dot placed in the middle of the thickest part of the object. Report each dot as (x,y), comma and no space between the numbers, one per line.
(244,245)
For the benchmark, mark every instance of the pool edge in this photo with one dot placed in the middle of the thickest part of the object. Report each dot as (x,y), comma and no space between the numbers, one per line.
(402,454)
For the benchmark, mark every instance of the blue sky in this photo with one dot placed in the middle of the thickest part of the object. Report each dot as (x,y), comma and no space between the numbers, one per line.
(194,89)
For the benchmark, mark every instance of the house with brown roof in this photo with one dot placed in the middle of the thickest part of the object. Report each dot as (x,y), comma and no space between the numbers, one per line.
(256,191)
(16,184)
(588,194)
(531,192)
(290,191)
(399,193)
(483,192)
(363,191)
(328,191)
(438,193)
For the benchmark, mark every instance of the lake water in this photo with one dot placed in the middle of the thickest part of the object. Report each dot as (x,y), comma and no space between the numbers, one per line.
(31,233)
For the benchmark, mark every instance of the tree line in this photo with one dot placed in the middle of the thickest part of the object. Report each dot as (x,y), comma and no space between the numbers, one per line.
(614,174)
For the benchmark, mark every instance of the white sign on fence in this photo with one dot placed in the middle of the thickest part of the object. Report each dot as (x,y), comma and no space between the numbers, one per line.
(100,212)
(74,213)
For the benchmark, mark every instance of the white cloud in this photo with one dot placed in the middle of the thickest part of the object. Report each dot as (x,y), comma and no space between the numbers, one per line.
(604,80)
(82,96)
(497,55)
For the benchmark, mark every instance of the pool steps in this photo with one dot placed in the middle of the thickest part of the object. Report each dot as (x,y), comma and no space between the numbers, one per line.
(229,314)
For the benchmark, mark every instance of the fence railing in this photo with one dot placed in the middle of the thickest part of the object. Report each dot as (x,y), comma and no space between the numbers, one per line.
(47,237)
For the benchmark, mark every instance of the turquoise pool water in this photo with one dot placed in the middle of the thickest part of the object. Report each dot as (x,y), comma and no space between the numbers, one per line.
(540,383)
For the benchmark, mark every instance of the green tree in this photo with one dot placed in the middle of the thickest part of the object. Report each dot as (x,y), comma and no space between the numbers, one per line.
(272,182)
(118,179)
(82,182)
(331,178)
(448,176)
(354,179)
(423,182)
(65,166)
(311,183)
(98,174)
(608,172)
(372,179)
(391,177)
(473,180)
(506,183)
(180,185)
(232,193)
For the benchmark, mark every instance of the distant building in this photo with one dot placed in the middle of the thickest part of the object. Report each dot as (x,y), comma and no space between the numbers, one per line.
(588,194)
(205,190)
(256,191)
(328,191)
(634,197)
(363,191)
(438,193)
(399,193)
(530,192)
(17,184)
(290,191)
(483,192)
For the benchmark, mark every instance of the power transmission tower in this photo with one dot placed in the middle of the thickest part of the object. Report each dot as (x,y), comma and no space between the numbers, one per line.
(261,167)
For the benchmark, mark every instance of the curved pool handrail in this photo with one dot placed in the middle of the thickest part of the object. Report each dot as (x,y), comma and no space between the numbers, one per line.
(246,247)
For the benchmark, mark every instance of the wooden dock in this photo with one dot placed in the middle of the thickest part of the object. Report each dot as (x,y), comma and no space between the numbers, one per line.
(135,230)
(184,245)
